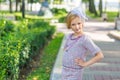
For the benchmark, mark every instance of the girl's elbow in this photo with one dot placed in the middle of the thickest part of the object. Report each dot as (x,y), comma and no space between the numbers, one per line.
(101,56)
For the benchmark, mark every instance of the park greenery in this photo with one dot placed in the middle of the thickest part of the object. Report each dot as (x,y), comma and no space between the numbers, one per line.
(28,36)
(91,9)
(47,59)
(19,43)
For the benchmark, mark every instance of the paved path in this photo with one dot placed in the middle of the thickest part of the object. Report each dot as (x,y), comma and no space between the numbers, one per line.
(109,67)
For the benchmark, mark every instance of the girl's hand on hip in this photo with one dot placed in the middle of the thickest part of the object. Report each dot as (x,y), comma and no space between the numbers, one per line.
(80,62)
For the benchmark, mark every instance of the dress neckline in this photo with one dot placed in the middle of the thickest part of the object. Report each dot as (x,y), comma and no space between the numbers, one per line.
(76,38)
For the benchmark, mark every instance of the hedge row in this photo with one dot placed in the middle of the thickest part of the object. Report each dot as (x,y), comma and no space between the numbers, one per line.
(19,43)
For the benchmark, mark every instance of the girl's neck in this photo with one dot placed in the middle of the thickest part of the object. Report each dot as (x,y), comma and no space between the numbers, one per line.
(77,34)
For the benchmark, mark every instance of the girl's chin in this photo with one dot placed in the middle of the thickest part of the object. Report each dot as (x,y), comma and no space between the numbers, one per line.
(77,31)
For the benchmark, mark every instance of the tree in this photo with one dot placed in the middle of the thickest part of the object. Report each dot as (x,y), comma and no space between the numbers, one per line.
(33,1)
(86,3)
(23,9)
(100,7)
(30,1)
(10,6)
(17,1)
(92,8)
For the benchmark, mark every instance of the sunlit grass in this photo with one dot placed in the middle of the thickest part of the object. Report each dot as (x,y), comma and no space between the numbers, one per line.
(110,15)
(47,60)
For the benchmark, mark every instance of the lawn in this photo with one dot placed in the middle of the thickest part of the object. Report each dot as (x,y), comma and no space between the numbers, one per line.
(111,16)
(47,59)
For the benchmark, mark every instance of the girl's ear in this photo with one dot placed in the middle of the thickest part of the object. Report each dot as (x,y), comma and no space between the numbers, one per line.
(82,24)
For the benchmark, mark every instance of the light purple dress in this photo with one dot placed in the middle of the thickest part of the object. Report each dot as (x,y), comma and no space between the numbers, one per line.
(76,48)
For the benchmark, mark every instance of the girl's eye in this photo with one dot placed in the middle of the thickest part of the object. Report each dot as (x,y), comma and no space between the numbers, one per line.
(73,24)
(79,23)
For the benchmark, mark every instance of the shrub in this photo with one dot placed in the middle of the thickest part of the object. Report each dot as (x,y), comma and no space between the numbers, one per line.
(19,46)
(6,27)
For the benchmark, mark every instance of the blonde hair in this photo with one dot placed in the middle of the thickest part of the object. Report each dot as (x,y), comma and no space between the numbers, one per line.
(76,12)
(69,18)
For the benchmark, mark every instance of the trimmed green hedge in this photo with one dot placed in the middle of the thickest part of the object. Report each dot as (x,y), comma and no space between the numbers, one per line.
(6,27)
(20,44)
(47,59)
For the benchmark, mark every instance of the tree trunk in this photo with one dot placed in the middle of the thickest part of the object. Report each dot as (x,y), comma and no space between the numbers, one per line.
(100,8)
(92,7)
(10,6)
(86,2)
(60,2)
(31,1)
(23,9)
(17,1)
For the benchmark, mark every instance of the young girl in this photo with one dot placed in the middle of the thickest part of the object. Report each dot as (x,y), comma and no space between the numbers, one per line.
(77,44)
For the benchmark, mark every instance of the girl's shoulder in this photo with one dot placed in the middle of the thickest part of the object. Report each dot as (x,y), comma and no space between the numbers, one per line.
(67,36)
(86,37)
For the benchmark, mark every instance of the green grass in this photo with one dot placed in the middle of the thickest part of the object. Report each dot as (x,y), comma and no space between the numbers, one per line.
(111,16)
(91,15)
(47,60)
(59,14)
(3,14)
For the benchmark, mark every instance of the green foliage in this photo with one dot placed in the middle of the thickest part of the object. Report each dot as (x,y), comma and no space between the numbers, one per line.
(47,59)
(62,19)
(91,15)
(37,23)
(20,44)
(92,7)
(56,11)
(110,15)
(85,1)
(6,27)
(2,1)
(59,14)
(100,8)
(33,1)
(9,57)
(18,17)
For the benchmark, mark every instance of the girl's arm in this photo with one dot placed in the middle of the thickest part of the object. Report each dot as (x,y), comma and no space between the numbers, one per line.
(96,58)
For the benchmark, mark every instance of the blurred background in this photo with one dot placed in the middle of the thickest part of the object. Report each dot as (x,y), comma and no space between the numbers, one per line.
(31,33)
(93,8)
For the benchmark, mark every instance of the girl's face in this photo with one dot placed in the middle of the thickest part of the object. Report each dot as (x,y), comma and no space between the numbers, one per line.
(77,25)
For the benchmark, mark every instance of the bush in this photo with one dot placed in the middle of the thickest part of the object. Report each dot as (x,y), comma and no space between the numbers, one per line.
(58,11)
(9,57)
(6,27)
(19,46)
(47,59)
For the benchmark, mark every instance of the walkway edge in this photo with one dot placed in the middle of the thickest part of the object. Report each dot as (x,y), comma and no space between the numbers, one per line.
(55,67)
(114,34)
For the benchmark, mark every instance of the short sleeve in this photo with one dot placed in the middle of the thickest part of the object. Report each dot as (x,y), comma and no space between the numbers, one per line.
(91,46)
(66,37)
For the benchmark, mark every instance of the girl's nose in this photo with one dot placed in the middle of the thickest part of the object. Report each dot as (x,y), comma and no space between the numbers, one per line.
(77,26)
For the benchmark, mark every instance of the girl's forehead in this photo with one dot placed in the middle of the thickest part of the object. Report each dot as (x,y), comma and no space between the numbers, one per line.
(78,19)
